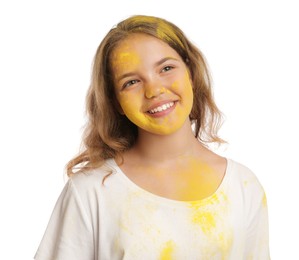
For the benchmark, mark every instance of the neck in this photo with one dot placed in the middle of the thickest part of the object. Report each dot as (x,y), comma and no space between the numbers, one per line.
(162,148)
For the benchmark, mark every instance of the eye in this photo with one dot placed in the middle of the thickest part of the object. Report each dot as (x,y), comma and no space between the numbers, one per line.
(130,83)
(167,68)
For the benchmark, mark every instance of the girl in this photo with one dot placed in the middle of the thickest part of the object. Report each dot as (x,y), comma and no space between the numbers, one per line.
(146,186)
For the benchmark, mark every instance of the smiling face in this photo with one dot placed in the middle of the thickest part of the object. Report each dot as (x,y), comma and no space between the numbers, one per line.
(152,84)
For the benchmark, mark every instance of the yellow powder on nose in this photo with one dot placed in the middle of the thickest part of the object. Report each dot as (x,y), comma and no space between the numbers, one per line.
(154,92)
(167,251)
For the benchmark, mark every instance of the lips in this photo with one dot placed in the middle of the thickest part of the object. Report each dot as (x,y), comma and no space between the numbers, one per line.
(161,108)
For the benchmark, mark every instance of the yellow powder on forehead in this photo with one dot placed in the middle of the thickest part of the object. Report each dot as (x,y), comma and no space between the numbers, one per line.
(125,59)
(167,251)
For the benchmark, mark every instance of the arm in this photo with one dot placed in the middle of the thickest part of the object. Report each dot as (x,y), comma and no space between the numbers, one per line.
(257,233)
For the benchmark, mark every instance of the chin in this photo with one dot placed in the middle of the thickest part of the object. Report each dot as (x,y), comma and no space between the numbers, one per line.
(163,130)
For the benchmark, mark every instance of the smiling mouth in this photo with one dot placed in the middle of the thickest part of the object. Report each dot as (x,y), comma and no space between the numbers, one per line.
(161,108)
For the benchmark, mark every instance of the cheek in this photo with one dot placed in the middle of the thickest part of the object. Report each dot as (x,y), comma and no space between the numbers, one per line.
(130,103)
(189,91)
(185,89)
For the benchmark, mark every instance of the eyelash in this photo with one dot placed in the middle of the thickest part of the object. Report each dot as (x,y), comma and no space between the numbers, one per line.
(130,82)
(168,68)
(134,81)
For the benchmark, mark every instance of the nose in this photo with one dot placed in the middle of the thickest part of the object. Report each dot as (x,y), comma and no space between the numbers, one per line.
(153,89)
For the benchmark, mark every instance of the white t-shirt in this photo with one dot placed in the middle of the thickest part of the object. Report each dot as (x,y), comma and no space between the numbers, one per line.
(119,220)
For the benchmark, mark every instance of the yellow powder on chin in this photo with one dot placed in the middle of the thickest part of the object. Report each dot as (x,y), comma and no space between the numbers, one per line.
(167,251)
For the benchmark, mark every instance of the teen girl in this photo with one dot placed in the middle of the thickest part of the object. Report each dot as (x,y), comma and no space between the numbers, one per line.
(146,186)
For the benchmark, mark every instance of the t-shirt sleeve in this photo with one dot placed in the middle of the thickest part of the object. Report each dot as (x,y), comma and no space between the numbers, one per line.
(257,231)
(69,232)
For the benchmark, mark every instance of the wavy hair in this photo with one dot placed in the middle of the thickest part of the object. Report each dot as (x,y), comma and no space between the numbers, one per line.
(108,133)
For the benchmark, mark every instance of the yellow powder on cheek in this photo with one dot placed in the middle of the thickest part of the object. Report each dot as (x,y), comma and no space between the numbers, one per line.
(168,125)
(131,103)
(175,86)
(167,251)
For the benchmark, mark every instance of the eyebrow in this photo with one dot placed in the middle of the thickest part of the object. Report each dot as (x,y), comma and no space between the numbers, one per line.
(158,63)
(165,59)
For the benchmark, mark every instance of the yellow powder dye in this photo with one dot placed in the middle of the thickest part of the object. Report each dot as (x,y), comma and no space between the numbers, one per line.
(164,32)
(129,58)
(206,220)
(167,251)
(164,125)
(209,215)
(264,200)
(124,60)
(203,217)
(225,241)
(149,93)
(195,179)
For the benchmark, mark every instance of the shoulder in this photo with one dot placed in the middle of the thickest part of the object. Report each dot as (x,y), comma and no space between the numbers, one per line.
(240,172)
(243,178)
(92,180)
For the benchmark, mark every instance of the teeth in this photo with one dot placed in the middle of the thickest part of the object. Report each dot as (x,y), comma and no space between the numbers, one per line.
(161,108)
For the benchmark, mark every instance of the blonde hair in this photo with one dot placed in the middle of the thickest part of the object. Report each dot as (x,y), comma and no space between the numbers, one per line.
(108,133)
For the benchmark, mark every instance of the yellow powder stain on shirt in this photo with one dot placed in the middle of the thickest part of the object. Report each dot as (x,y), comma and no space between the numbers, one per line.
(206,220)
(210,215)
(167,251)
(202,216)
(225,241)
(264,200)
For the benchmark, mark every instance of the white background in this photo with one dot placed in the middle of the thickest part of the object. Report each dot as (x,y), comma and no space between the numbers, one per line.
(45,60)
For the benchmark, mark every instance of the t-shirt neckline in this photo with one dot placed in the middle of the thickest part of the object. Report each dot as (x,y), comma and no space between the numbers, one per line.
(160,199)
